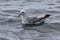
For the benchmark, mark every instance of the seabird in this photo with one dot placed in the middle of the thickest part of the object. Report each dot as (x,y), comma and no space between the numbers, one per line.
(33,20)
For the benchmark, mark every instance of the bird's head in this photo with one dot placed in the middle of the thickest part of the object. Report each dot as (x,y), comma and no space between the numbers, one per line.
(21,13)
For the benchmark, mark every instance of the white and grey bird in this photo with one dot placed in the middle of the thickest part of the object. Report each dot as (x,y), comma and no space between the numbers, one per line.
(29,18)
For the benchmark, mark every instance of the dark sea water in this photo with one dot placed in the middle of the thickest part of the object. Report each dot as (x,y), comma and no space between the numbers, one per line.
(12,29)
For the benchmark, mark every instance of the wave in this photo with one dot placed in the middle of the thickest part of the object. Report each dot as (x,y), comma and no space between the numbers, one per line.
(9,20)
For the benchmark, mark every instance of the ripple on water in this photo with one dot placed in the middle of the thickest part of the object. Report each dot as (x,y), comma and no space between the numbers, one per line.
(58,2)
(5,5)
(50,4)
(34,0)
(29,34)
(11,11)
(7,37)
(4,14)
(3,38)
(57,7)
(50,8)
(4,0)
(53,11)
(16,0)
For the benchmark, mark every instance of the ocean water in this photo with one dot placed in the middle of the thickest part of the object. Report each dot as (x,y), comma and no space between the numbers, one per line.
(10,24)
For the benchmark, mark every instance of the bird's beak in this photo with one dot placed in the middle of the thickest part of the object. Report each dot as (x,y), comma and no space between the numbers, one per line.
(19,14)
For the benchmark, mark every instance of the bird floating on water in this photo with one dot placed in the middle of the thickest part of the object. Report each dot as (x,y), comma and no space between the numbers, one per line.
(26,20)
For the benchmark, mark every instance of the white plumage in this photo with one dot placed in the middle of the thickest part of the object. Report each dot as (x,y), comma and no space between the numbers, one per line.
(28,16)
